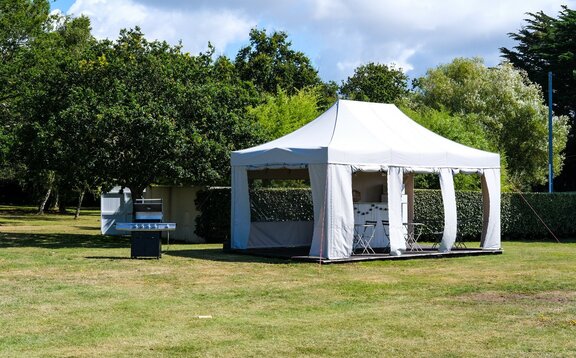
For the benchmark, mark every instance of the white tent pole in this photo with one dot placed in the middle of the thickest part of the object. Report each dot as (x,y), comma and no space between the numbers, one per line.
(449,202)
(240,222)
(397,241)
(491,209)
(318,185)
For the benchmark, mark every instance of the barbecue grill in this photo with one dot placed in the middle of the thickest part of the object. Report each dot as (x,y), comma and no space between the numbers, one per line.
(146,230)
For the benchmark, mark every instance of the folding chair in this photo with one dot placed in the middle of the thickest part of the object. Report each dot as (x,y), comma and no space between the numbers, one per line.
(363,235)
(413,233)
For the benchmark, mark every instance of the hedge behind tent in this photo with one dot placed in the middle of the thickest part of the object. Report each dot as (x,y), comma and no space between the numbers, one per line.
(518,221)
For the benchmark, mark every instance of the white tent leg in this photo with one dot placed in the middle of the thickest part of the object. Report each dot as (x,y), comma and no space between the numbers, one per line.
(397,241)
(449,201)
(491,209)
(240,223)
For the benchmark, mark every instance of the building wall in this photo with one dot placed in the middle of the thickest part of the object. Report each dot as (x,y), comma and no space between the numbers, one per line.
(179,208)
(115,207)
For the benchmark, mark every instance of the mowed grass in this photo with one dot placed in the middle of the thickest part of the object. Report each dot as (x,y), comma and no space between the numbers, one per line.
(67,291)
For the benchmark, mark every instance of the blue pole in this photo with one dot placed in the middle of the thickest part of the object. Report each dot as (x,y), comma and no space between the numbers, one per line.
(550,151)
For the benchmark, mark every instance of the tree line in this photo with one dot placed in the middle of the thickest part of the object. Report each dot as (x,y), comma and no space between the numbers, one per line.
(79,114)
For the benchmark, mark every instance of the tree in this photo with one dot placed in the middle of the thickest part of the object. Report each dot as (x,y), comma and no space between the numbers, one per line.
(271,64)
(20,22)
(214,114)
(124,105)
(50,70)
(282,113)
(375,82)
(547,44)
(162,116)
(508,108)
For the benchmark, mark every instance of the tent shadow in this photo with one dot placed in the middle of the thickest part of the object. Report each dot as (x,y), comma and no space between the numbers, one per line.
(547,240)
(220,255)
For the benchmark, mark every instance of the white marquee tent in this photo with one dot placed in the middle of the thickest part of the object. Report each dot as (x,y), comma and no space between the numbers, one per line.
(355,137)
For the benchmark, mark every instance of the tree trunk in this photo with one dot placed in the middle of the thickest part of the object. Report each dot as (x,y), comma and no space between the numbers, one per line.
(62,207)
(44,201)
(56,205)
(136,193)
(80,198)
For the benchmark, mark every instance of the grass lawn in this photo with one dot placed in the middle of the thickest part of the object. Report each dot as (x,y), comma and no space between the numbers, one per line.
(65,290)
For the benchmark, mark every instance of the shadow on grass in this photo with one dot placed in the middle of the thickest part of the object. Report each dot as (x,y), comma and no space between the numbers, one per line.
(56,241)
(222,256)
(60,241)
(563,240)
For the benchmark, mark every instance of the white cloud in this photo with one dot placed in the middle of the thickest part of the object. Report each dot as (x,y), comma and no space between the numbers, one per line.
(194,28)
(338,35)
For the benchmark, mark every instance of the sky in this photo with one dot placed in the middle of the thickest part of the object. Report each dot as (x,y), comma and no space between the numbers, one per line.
(337,35)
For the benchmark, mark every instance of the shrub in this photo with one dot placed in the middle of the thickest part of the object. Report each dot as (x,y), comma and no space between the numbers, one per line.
(213,224)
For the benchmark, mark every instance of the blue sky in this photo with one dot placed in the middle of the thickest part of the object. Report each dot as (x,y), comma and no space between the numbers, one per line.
(337,35)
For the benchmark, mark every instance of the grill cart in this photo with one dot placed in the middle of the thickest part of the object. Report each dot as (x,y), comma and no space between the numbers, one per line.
(146,229)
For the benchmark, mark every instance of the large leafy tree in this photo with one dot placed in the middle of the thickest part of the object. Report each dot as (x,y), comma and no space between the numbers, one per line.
(506,105)
(50,70)
(163,116)
(547,44)
(270,63)
(214,115)
(20,22)
(376,82)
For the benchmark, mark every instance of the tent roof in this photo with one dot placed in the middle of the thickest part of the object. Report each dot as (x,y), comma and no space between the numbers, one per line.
(363,133)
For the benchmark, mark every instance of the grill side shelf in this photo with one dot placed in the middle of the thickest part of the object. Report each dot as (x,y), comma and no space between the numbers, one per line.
(146,226)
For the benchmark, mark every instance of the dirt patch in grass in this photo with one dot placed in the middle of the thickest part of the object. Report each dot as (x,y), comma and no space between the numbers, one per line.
(503,297)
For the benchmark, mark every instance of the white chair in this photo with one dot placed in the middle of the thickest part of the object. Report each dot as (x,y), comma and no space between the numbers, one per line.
(363,235)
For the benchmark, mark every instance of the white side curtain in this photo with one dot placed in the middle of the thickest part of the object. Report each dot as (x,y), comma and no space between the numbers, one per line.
(240,223)
(449,202)
(397,241)
(333,211)
(491,205)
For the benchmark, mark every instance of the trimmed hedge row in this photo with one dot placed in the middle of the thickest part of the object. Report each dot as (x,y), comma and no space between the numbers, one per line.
(518,221)
(213,223)
(428,209)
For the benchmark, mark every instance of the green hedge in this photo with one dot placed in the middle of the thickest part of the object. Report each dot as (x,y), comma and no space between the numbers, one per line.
(283,204)
(213,224)
(518,221)
(428,209)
